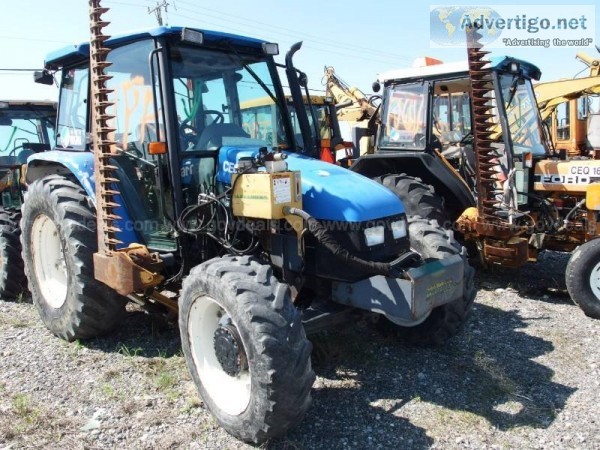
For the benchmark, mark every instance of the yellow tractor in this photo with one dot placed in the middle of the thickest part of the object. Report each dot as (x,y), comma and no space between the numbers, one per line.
(566,107)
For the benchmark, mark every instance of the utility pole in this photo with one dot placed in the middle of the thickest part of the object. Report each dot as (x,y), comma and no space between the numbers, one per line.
(157,10)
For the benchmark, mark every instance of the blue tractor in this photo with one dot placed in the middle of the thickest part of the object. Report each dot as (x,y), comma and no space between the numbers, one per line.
(26,127)
(155,194)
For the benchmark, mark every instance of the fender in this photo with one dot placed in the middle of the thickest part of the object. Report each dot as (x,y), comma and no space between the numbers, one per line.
(81,166)
(431,169)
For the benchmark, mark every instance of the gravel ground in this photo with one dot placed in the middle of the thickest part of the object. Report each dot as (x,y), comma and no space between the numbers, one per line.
(524,373)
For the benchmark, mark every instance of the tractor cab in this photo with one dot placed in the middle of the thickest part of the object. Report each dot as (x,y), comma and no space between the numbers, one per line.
(426,126)
(26,128)
(177,125)
(428,108)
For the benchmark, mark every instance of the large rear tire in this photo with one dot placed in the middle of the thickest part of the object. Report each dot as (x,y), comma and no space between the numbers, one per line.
(58,240)
(433,242)
(245,347)
(419,199)
(583,278)
(12,274)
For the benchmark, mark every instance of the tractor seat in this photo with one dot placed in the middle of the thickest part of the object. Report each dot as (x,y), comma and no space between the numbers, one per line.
(212,136)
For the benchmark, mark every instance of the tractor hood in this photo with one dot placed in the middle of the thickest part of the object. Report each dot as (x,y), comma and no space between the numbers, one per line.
(329,192)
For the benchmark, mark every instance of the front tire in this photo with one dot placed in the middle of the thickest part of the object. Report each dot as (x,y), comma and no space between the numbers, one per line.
(245,347)
(418,198)
(583,278)
(12,274)
(433,242)
(58,240)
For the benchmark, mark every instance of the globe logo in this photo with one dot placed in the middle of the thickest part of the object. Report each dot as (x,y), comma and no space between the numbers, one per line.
(448,24)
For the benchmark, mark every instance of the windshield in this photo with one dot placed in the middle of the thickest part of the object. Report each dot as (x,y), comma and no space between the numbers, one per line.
(522,114)
(261,120)
(404,116)
(210,88)
(21,125)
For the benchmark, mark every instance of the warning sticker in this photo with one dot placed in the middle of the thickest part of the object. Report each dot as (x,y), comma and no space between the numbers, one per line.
(282,190)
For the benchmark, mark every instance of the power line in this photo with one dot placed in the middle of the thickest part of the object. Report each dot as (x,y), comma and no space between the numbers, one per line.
(297,33)
(360,56)
(286,32)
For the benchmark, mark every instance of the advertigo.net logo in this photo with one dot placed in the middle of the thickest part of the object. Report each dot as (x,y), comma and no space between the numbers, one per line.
(504,26)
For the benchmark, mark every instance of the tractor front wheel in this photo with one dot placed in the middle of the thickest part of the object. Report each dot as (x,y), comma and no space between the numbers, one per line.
(583,278)
(58,240)
(433,242)
(245,347)
(418,198)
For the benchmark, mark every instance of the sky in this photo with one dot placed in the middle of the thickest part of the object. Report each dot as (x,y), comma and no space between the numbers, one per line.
(359,39)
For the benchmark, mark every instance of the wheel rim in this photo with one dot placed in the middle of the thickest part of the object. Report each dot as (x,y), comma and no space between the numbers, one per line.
(230,393)
(595,280)
(49,261)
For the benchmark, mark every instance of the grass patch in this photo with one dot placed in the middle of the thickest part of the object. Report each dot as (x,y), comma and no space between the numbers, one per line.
(23,409)
(502,383)
(166,380)
(127,351)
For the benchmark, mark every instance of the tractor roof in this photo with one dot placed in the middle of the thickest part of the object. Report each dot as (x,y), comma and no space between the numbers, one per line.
(78,52)
(498,63)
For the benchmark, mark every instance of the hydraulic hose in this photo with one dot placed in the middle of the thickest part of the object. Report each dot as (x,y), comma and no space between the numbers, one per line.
(390,269)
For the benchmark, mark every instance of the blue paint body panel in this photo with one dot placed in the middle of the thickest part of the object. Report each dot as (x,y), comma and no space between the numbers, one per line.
(81,165)
(78,52)
(329,192)
(502,64)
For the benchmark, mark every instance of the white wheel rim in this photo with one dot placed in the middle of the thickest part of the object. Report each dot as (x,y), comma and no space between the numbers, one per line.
(595,280)
(49,261)
(230,394)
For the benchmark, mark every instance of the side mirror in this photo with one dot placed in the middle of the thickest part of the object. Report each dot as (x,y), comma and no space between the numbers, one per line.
(43,77)
(376,86)
(303,79)
(5,121)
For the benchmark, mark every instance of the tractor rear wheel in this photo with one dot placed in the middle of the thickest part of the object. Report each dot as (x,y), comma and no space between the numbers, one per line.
(433,242)
(58,240)
(583,278)
(419,199)
(245,347)
(12,275)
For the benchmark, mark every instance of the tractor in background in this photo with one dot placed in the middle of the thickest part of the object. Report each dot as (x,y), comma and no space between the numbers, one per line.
(571,109)
(464,144)
(260,120)
(26,128)
(154,193)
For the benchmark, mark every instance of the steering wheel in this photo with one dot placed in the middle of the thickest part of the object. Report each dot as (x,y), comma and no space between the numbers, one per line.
(220,116)
(467,137)
(419,140)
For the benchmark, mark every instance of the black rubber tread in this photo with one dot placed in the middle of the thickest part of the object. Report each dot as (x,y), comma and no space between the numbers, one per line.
(276,346)
(579,270)
(91,308)
(434,242)
(12,274)
(419,199)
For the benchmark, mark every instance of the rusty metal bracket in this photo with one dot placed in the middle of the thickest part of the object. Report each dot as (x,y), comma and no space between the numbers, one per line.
(129,270)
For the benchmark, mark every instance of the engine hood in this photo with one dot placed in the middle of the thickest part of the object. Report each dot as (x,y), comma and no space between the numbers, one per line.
(566,176)
(330,192)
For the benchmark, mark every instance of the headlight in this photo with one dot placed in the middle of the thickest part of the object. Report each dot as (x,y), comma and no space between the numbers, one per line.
(375,235)
(399,229)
